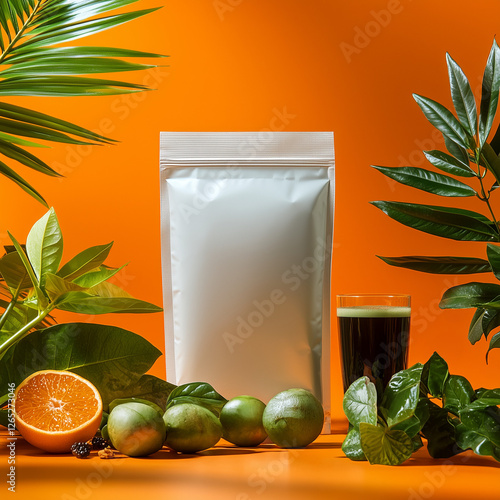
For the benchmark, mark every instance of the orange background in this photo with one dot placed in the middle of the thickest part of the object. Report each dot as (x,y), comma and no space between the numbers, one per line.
(350,67)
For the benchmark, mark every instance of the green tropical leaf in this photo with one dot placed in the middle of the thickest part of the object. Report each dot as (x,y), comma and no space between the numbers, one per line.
(476,326)
(443,120)
(456,224)
(491,160)
(439,265)
(458,152)
(493,253)
(385,446)
(85,303)
(435,374)
(14,272)
(24,185)
(494,344)
(401,395)
(30,65)
(87,260)
(469,295)
(360,402)
(426,180)
(489,97)
(462,96)
(44,245)
(491,319)
(111,358)
(56,286)
(449,164)
(25,261)
(352,445)
(94,278)
(480,431)
(457,393)
(199,393)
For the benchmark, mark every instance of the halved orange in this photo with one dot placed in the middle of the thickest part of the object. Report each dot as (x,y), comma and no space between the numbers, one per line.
(56,408)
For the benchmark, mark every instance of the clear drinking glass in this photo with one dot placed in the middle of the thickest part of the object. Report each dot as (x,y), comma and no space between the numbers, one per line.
(373,333)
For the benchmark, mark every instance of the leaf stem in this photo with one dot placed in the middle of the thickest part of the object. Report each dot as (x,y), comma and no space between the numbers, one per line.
(9,308)
(24,331)
(19,34)
(486,196)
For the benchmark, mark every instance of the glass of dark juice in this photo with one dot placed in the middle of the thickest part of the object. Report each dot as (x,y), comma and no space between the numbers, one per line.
(373,333)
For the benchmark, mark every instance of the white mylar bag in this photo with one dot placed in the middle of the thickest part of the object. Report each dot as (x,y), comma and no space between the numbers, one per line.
(247,223)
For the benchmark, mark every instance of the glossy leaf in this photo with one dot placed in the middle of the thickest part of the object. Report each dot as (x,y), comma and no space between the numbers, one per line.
(56,286)
(428,181)
(439,431)
(401,395)
(31,66)
(14,273)
(85,303)
(434,375)
(25,261)
(469,295)
(491,161)
(413,424)
(87,260)
(439,265)
(489,96)
(352,446)
(494,344)
(462,96)
(199,393)
(480,431)
(111,358)
(491,320)
(456,224)
(385,446)
(493,253)
(443,120)
(458,393)
(149,387)
(91,279)
(476,326)
(360,402)
(44,245)
(458,152)
(449,164)
(24,185)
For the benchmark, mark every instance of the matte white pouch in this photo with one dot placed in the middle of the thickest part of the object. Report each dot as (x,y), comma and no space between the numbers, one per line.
(247,223)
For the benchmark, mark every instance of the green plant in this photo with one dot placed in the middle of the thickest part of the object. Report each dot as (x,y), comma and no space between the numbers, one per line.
(32,63)
(469,156)
(38,284)
(424,401)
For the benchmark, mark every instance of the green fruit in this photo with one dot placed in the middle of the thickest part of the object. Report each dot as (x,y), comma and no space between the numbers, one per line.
(121,401)
(293,418)
(241,420)
(191,428)
(136,429)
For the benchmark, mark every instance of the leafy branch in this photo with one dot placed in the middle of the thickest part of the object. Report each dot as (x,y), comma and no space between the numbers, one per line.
(424,401)
(468,155)
(37,284)
(33,64)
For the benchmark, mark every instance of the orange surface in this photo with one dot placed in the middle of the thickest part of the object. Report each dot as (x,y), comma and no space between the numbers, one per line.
(236,65)
(225,472)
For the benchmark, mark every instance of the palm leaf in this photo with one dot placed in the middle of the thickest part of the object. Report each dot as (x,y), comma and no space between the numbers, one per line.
(32,64)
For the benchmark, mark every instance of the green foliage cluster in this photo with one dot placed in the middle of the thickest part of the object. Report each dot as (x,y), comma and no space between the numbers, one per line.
(469,156)
(32,63)
(424,401)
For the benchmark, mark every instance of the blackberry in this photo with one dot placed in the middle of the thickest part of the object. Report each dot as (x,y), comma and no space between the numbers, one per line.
(99,443)
(81,450)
